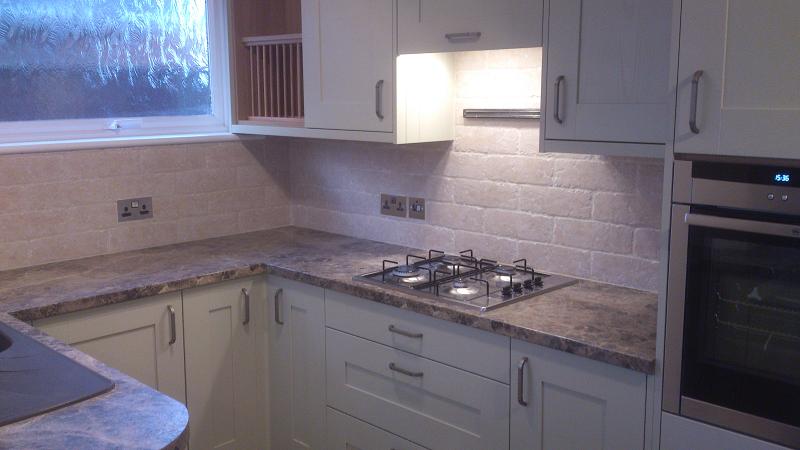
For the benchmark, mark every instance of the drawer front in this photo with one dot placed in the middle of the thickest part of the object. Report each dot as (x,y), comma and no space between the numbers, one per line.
(349,433)
(476,351)
(432,404)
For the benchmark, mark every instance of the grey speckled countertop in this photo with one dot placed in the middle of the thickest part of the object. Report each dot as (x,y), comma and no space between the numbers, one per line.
(602,322)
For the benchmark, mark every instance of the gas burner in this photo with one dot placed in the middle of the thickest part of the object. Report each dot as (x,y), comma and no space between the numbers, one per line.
(461,287)
(505,270)
(407,271)
(484,284)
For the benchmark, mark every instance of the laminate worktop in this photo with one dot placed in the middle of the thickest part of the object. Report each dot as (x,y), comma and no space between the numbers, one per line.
(607,323)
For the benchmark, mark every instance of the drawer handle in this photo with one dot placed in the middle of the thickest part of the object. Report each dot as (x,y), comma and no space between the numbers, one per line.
(173,332)
(246,294)
(521,381)
(463,37)
(393,366)
(394,329)
(278,296)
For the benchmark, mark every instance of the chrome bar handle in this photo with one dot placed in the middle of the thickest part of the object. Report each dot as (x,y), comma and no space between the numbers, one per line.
(693,108)
(379,99)
(173,332)
(521,381)
(557,100)
(394,367)
(394,329)
(463,37)
(246,294)
(278,295)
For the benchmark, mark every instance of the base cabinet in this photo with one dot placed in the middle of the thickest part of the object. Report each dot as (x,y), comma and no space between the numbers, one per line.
(222,380)
(136,338)
(563,401)
(426,402)
(296,343)
(348,433)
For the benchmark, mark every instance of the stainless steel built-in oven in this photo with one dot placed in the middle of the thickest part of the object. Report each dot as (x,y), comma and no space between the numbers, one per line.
(732,347)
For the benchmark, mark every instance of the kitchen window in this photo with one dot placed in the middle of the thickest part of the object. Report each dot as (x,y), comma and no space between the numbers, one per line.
(100,69)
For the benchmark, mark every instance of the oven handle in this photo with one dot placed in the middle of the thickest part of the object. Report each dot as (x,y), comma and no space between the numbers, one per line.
(750,226)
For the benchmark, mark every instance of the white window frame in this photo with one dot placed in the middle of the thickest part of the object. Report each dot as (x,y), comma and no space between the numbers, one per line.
(36,133)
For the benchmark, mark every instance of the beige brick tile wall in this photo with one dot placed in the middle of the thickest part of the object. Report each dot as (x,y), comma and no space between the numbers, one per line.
(60,206)
(491,190)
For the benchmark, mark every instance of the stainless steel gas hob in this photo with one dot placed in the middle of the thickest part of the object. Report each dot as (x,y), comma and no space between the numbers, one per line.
(480,283)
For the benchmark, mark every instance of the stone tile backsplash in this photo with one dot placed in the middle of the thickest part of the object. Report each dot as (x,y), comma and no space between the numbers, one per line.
(59,206)
(490,190)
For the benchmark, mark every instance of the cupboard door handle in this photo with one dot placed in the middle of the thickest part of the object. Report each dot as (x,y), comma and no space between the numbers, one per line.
(173,332)
(246,294)
(394,367)
(379,99)
(278,295)
(693,108)
(557,100)
(463,37)
(394,329)
(521,381)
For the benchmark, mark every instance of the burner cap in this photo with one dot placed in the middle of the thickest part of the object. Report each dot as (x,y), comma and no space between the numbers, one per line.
(405,271)
(463,287)
(505,270)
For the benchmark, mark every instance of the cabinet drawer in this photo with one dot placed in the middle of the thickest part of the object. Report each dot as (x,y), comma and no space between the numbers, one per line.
(426,402)
(349,433)
(477,351)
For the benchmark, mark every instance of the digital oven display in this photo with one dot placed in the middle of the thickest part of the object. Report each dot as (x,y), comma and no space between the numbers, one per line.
(782,178)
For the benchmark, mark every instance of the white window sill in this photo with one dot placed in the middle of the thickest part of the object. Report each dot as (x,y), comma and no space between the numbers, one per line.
(133,141)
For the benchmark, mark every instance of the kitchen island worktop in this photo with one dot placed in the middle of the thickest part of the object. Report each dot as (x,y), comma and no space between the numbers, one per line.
(607,323)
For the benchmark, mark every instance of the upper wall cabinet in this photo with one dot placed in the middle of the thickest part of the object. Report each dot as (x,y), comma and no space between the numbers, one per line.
(328,69)
(738,85)
(349,64)
(606,76)
(431,26)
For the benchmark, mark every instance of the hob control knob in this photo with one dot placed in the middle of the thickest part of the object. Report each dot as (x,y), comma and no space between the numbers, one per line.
(506,291)
(528,284)
(518,287)
(538,281)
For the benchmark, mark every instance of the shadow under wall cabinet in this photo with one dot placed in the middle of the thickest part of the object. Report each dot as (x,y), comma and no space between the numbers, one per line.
(738,78)
(606,72)
(433,26)
(143,339)
(328,69)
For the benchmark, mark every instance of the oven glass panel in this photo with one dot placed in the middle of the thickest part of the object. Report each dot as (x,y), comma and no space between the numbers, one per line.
(742,323)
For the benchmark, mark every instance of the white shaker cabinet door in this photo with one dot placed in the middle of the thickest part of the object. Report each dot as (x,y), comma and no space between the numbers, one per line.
(432,26)
(222,381)
(739,78)
(607,69)
(296,342)
(568,402)
(142,338)
(348,64)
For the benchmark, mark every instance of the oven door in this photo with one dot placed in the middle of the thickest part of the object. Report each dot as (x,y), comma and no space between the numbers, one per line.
(732,355)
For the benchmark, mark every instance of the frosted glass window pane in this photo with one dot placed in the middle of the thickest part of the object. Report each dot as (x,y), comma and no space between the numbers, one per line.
(80,59)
